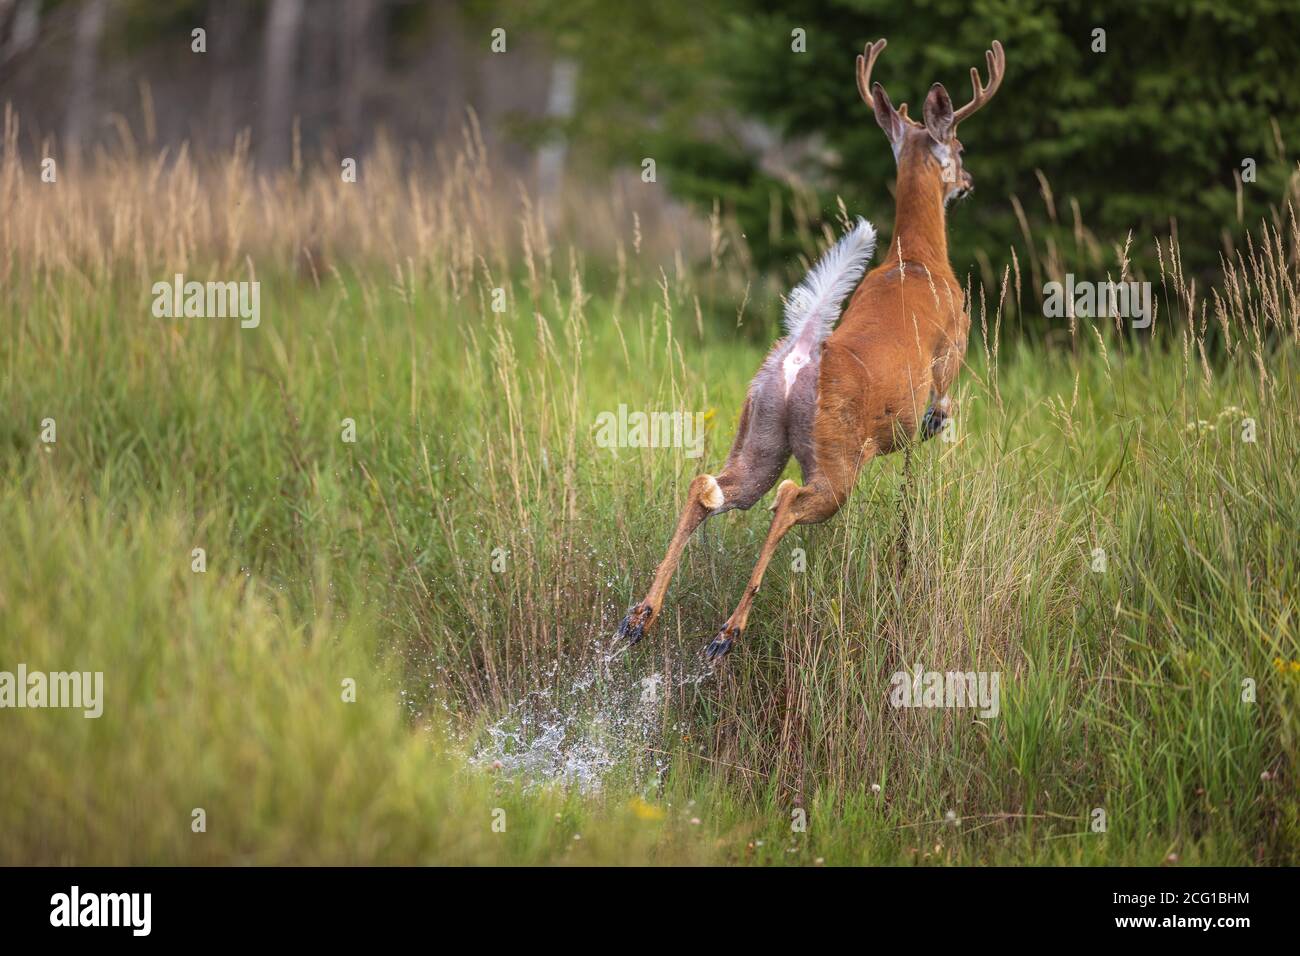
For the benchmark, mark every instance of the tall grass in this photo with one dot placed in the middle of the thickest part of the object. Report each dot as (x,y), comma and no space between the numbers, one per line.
(1122,689)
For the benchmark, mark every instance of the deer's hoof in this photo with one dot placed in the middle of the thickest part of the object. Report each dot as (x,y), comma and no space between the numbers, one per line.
(721,644)
(936,416)
(637,622)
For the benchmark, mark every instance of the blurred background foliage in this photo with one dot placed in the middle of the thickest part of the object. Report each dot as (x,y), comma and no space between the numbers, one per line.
(1081,150)
(1148,136)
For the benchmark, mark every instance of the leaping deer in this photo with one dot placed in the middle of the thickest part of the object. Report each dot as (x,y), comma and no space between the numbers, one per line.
(837,399)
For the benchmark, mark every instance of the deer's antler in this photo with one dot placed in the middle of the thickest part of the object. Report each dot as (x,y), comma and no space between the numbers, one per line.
(997,61)
(866,60)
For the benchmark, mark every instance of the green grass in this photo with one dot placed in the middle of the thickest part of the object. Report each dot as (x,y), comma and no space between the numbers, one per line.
(327,560)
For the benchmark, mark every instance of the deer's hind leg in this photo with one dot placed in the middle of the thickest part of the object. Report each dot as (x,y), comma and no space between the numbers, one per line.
(795,504)
(758,456)
(839,450)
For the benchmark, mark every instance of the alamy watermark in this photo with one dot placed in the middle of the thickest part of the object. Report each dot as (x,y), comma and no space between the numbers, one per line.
(76,908)
(82,690)
(624,429)
(1098,300)
(208,300)
(921,688)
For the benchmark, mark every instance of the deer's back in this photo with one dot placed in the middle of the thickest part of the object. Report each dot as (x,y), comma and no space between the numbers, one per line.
(892,347)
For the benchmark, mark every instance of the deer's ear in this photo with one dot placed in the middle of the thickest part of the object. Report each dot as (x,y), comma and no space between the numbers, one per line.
(938,114)
(887,116)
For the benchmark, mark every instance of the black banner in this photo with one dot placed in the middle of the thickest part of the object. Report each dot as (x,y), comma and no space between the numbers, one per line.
(338,905)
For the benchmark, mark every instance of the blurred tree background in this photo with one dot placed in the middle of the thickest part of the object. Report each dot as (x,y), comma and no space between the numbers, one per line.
(748,107)
(1148,133)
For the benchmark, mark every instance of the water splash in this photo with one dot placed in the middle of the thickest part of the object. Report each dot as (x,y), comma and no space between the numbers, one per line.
(580,729)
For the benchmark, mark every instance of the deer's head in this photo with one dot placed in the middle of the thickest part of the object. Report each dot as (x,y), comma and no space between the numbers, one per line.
(930,148)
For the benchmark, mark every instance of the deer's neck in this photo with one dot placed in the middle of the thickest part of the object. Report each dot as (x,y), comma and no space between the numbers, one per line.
(920,231)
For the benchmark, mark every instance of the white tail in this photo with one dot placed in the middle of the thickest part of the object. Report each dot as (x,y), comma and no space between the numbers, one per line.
(814,305)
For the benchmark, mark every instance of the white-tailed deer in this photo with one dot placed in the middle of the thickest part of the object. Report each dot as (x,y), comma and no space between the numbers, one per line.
(837,399)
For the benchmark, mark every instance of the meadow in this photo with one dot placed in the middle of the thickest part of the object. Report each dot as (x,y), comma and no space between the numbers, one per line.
(464,562)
